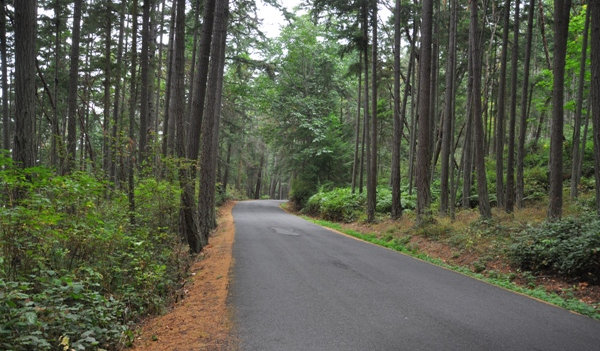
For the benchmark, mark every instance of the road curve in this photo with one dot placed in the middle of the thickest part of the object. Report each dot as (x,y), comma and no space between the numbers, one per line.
(298,286)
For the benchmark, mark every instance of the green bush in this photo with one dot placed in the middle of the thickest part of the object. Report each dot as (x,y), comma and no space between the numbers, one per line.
(340,204)
(301,191)
(72,268)
(535,183)
(569,247)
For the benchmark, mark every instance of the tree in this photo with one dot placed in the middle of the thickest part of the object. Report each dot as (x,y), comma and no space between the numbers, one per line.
(524,104)
(210,127)
(372,175)
(595,92)
(447,130)
(3,61)
(482,191)
(423,152)
(106,155)
(561,31)
(145,113)
(25,35)
(395,177)
(132,104)
(117,99)
(189,221)
(500,135)
(576,155)
(510,164)
(72,117)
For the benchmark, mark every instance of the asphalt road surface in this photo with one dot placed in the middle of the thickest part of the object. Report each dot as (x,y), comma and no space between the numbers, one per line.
(297,286)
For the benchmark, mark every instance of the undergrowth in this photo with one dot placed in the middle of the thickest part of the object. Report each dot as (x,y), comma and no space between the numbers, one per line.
(74,274)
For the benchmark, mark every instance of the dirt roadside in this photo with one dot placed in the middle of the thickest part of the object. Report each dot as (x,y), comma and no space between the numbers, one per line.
(201,320)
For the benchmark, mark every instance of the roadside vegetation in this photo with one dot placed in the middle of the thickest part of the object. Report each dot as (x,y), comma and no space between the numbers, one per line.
(73,270)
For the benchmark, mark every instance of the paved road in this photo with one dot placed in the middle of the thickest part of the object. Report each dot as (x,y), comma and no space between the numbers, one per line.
(297,286)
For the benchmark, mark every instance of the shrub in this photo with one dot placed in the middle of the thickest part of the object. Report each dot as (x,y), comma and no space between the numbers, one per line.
(569,247)
(340,204)
(73,271)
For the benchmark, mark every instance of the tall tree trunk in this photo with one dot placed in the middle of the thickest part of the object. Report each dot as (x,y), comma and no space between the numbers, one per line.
(561,30)
(132,105)
(73,85)
(355,164)
(423,154)
(192,63)
(467,156)
(210,127)
(106,156)
(510,164)
(367,120)
(227,166)
(595,93)
(501,109)
(3,58)
(542,26)
(576,156)
(520,191)
(167,145)
(187,226)
(195,240)
(482,190)
(202,66)
(372,175)
(25,51)
(116,108)
(449,111)
(56,141)
(259,176)
(395,176)
(145,119)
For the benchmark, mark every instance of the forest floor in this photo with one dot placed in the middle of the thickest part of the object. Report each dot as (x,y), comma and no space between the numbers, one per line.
(201,320)
(480,246)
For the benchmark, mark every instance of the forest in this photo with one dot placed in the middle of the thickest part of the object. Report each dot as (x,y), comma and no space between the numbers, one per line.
(125,123)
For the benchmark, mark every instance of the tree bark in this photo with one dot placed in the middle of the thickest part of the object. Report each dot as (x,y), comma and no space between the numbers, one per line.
(372,175)
(423,154)
(73,85)
(482,190)
(168,144)
(510,164)
(25,52)
(210,127)
(116,108)
(5,117)
(200,81)
(355,164)
(395,176)
(145,119)
(132,105)
(449,112)
(520,191)
(561,30)
(501,110)
(106,155)
(595,92)
(576,156)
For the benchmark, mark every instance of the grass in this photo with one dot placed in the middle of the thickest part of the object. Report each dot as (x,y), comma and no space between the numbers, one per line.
(499,279)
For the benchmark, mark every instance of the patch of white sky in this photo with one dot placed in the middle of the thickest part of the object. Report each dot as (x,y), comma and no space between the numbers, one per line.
(272,20)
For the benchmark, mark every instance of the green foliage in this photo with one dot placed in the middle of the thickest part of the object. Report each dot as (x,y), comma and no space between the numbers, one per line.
(72,269)
(570,247)
(340,204)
